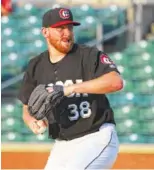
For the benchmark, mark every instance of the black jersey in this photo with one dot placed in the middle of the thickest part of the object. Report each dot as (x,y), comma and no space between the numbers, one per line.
(79,114)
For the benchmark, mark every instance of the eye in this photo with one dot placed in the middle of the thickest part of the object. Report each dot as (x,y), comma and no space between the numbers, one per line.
(59,29)
(70,27)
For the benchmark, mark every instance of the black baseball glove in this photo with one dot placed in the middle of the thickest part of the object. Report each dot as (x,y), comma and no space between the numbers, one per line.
(43,101)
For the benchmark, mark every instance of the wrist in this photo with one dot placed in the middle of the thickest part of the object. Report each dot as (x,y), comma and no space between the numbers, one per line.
(72,88)
(28,118)
(68,90)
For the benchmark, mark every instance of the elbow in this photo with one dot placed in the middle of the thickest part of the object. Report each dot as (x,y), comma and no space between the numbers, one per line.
(118,84)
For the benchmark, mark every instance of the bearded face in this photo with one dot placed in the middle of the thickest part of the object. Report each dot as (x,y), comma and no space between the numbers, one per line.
(62,42)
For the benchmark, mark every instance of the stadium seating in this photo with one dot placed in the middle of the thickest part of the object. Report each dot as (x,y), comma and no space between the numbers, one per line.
(133,106)
(12,137)
(30,35)
(133,138)
(126,112)
(128,86)
(150,139)
(128,126)
(144,86)
(34,48)
(12,123)
(8,21)
(26,10)
(29,22)
(10,45)
(147,128)
(119,58)
(9,33)
(12,65)
(87,32)
(141,60)
(146,113)
(82,11)
(11,109)
(38,138)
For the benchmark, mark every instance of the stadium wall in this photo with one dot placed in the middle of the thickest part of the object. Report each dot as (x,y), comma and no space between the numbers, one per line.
(34,156)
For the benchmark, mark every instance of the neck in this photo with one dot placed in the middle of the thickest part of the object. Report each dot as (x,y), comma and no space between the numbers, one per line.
(54,54)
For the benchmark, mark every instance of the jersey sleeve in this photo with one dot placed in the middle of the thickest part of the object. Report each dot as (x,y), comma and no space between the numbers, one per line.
(97,63)
(104,65)
(28,83)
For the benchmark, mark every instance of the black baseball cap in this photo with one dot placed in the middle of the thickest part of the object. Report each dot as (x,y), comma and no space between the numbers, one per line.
(57,17)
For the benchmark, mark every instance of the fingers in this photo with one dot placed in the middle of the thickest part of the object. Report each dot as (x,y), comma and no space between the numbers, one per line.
(45,122)
(42,123)
(34,127)
(38,127)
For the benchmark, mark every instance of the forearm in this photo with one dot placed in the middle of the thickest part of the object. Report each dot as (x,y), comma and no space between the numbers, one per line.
(26,116)
(101,85)
(37,126)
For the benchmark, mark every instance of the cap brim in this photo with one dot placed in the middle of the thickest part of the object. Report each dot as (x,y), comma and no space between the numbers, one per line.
(65,23)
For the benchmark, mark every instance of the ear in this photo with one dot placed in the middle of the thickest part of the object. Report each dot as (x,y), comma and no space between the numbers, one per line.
(45,32)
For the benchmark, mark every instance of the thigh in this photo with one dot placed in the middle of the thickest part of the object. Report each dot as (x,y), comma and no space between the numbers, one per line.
(94,152)
(56,159)
(107,155)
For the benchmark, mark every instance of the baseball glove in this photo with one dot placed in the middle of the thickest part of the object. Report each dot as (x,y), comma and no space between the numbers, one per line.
(43,100)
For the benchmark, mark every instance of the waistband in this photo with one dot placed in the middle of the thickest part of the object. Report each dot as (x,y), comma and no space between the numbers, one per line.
(108,126)
(104,126)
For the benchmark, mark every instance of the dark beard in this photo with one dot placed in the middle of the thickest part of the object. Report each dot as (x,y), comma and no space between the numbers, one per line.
(61,48)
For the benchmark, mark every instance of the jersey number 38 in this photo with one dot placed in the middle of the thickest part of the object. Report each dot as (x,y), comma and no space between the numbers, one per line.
(82,110)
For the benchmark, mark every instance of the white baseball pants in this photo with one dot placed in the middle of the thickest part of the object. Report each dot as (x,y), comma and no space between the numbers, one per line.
(96,151)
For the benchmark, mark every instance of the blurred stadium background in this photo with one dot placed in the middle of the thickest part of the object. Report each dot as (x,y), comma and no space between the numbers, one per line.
(122,28)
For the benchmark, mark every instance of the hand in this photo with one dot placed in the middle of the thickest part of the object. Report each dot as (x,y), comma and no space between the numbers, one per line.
(68,90)
(38,126)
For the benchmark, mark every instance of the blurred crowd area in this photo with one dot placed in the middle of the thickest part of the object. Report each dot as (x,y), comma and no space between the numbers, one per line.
(113,26)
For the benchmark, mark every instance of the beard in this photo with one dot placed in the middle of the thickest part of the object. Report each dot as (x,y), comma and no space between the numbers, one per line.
(64,45)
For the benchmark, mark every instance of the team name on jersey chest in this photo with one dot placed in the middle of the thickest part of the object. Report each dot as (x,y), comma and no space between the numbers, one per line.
(68,83)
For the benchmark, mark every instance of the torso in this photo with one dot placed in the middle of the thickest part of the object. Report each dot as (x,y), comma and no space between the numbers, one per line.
(79,114)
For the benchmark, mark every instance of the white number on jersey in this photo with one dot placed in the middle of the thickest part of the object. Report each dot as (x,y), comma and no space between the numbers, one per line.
(84,110)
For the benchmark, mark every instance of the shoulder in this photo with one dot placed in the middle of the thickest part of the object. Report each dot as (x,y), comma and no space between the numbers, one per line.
(88,53)
(87,49)
(37,59)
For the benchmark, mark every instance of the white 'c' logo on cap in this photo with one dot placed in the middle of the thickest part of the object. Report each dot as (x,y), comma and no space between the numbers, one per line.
(64,13)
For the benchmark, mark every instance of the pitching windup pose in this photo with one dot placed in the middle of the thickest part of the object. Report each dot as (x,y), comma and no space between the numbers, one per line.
(64,90)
